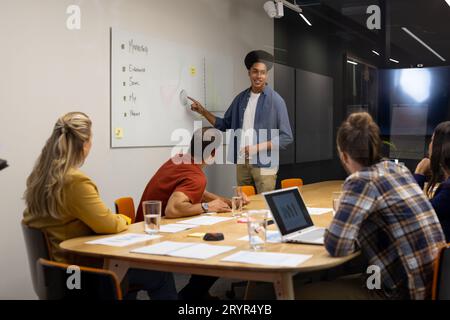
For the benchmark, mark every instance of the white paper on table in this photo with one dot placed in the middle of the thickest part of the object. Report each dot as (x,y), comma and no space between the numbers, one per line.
(124,240)
(318,211)
(162,248)
(201,251)
(176,227)
(268,258)
(272,236)
(184,249)
(205,220)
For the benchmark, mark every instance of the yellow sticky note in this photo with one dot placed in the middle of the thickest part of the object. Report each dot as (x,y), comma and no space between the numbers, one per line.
(118,132)
(196,235)
(193,70)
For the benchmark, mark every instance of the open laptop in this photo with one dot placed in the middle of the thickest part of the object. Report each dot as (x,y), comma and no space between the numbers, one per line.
(292,217)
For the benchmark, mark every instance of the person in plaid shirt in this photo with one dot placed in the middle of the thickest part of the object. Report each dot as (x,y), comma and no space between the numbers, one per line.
(384,214)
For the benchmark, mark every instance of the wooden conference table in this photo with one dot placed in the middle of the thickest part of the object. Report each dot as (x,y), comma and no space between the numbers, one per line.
(119,259)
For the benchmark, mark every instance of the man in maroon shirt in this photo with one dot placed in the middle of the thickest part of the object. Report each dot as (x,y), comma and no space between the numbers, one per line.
(180,185)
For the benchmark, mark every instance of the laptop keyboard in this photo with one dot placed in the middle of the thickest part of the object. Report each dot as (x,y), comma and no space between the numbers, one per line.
(312,236)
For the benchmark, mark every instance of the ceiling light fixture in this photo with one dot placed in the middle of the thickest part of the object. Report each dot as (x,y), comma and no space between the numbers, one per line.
(423,43)
(352,62)
(377,52)
(275,9)
(280,9)
(270,9)
(393,60)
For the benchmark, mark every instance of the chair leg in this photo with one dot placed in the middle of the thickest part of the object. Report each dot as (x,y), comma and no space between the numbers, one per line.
(251,285)
(231,294)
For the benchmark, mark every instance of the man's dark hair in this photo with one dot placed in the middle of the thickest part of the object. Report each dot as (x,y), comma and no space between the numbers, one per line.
(203,137)
(359,137)
(258,56)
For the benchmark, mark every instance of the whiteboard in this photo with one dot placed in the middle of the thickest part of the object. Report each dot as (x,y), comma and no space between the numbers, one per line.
(147,77)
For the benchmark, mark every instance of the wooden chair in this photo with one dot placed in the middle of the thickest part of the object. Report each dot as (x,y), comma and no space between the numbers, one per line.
(37,246)
(55,278)
(441,279)
(125,206)
(294,182)
(248,190)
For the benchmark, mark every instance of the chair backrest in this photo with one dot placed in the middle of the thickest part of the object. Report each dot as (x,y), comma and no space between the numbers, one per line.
(294,182)
(248,190)
(62,281)
(441,281)
(125,206)
(37,246)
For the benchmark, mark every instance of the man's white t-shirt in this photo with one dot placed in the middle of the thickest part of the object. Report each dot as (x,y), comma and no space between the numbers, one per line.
(247,138)
(248,134)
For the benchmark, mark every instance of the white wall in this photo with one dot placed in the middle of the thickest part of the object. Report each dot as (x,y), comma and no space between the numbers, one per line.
(48,70)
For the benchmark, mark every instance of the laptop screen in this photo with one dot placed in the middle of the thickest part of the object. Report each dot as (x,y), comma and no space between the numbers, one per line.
(288,210)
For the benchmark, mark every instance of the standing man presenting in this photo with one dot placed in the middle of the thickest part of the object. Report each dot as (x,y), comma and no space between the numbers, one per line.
(257,110)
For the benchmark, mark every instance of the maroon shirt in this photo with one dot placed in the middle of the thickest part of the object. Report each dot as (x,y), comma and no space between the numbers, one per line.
(188,178)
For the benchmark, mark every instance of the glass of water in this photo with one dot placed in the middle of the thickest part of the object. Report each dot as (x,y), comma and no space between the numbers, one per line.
(236,206)
(257,225)
(152,216)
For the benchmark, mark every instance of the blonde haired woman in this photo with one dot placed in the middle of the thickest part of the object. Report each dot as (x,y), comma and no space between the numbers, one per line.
(64,202)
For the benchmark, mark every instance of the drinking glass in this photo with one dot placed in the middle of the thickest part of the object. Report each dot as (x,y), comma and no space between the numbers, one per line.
(256,226)
(152,216)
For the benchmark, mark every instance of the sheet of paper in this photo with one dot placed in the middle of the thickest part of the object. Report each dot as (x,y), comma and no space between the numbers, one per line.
(268,258)
(175,227)
(184,249)
(201,251)
(124,240)
(272,236)
(162,248)
(205,220)
(318,211)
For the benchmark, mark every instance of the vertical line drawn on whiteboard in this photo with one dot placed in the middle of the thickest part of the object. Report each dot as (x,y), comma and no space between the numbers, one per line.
(211,96)
(218,81)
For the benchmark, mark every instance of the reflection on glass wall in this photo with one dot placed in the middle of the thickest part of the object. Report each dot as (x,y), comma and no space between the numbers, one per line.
(361,91)
(412,103)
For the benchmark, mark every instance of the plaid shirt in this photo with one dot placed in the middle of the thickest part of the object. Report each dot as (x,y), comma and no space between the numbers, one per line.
(384,213)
